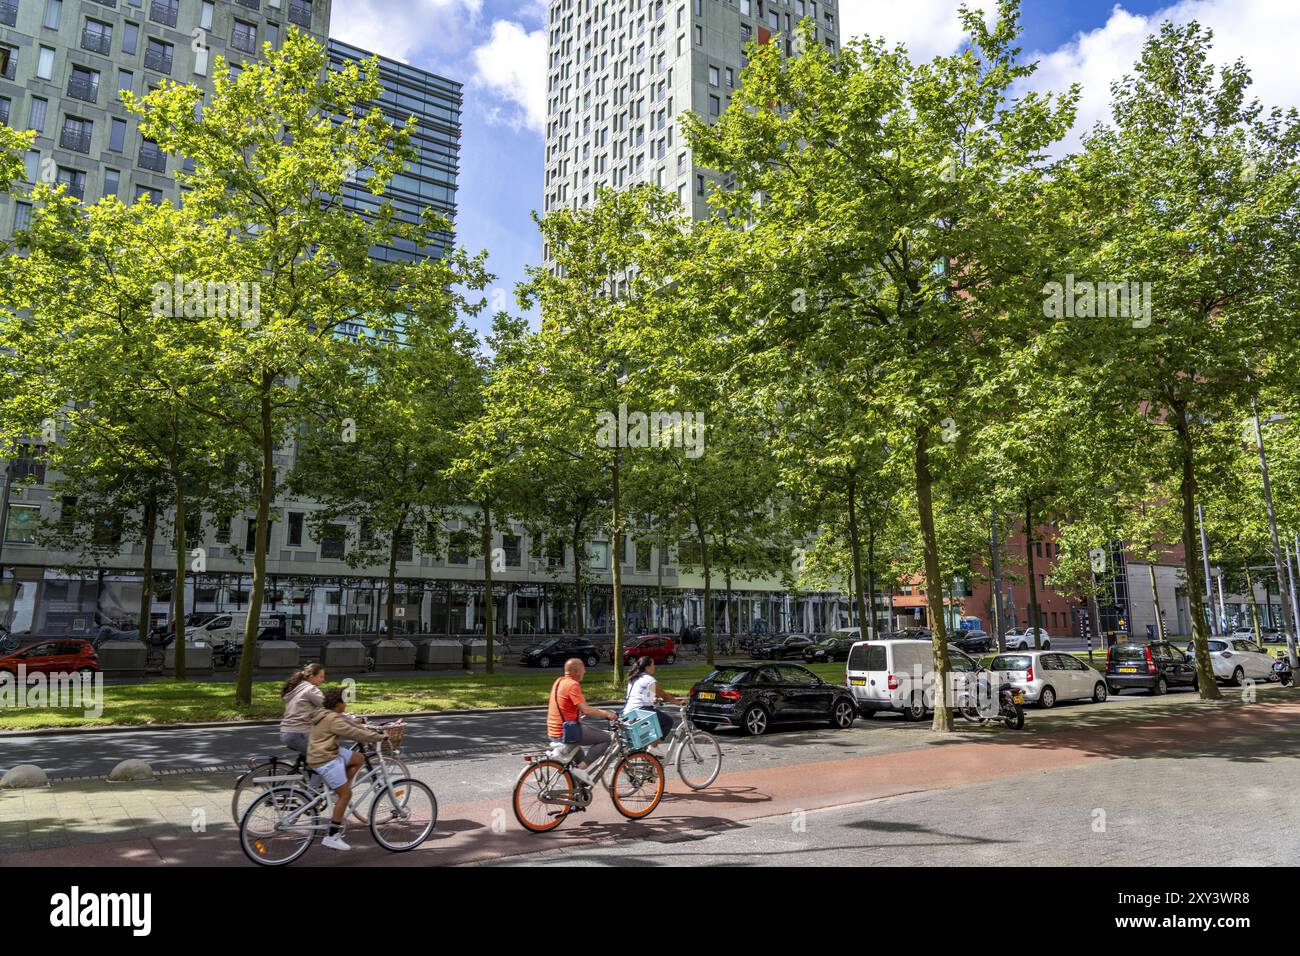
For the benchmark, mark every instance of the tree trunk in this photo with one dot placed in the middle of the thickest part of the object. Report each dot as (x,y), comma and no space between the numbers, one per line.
(578,601)
(855,546)
(659,598)
(389,614)
(1155,600)
(871,580)
(708,598)
(1254,605)
(933,582)
(999,626)
(616,566)
(178,591)
(1033,585)
(266,482)
(490,605)
(1192,565)
(146,585)
(728,621)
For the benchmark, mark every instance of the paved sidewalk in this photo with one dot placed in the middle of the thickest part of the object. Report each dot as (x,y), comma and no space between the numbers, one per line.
(94,823)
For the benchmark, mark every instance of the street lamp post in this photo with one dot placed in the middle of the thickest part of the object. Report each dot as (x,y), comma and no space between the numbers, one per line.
(4,533)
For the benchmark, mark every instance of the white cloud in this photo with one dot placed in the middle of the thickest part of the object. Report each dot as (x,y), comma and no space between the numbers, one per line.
(401,29)
(512,65)
(929,28)
(1260,32)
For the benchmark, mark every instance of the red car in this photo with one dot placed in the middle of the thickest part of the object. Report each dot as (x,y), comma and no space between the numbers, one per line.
(660,648)
(55,656)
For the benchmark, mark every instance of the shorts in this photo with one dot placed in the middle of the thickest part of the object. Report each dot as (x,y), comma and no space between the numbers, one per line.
(335,773)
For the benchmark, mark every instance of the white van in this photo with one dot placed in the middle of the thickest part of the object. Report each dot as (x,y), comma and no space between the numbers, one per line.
(228,626)
(898,675)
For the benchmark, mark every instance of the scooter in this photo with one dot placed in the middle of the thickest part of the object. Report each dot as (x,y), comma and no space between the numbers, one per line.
(1282,670)
(980,704)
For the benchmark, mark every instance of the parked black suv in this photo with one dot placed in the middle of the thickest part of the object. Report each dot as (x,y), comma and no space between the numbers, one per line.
(555,651)
(974,642)
(1154,667)
(753,697)
(830,649)
(783,648)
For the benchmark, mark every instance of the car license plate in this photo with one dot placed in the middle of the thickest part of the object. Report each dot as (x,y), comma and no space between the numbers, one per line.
(1128,670)
(704,696)
(858,681)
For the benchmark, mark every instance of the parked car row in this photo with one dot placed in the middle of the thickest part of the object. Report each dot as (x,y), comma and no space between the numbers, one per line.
(59,656)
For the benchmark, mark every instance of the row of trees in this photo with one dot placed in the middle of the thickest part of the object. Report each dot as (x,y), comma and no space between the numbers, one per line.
(883,351)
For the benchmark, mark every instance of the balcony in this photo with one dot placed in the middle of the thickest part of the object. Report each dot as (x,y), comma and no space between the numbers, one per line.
(158,59)
(97,42)
(162,12)
(75,139)
(82,87)
(152,158)
(300,13)
(8,13)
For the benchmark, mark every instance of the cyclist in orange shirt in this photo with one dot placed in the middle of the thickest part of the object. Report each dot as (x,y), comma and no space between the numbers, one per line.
(568,703)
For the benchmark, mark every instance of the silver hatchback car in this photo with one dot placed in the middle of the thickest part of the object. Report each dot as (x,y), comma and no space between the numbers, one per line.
(1049,676)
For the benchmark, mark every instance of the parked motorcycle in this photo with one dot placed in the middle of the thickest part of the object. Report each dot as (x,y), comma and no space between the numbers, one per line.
(979,704)
(1282,670)
(227,654)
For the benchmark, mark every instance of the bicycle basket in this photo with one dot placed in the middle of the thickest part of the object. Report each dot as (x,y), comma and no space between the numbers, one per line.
(396,733)
(639,729)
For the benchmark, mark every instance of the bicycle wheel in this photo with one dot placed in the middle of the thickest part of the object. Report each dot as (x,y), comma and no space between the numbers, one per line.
(276,828)
(638,785)
(699,760)
(537,783)
(364,793)
(246,791)
(403,815)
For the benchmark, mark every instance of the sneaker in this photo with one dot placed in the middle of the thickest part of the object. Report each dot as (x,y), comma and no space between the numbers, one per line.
(335,842)
(582,776)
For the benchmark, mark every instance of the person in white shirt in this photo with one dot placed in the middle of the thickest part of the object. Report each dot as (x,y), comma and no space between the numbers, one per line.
(643,693)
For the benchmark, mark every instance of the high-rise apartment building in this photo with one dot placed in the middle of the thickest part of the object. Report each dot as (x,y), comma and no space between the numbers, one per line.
(67,60)
(621,72)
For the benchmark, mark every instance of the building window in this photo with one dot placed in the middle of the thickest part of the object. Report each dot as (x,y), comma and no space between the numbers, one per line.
(74,180)
(8,61)
(149,194)
(83,84)
(53,14)
(117,136)
(458,548)
(158,56)
(130,38)
(36,114)
(151,157)
(112,181)
(45,63)
(5,104)
(76,134)
(333,542)
(32,165)
(512,545)
(23,521)
(97,37)
(9,13)
(164,11)
(205,14)
(300,13)
(244,37)
(125,79)
(295,529)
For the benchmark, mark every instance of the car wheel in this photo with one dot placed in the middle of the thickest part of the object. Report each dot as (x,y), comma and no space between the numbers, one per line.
(1099,693)
(592,660)
(1047,699)
(1047,644)
(754,723)
(1161,688)
(842,714)
(914,712)
(543,662)
(670,658)
(1238,677)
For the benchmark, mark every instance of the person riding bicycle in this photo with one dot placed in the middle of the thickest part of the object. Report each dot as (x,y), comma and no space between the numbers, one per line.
(643,693)
(337,765)
(302,698)
(569,705)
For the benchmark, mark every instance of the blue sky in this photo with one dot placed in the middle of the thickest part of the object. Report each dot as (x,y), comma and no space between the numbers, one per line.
(497,49)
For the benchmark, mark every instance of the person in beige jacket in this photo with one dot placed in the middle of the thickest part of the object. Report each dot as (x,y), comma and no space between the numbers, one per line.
(337,765)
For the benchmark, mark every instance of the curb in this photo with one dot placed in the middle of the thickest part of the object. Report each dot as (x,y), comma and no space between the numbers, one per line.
(137,728)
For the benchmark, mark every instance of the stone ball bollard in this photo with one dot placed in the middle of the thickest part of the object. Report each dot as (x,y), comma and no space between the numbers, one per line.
(25,776)
(131,771)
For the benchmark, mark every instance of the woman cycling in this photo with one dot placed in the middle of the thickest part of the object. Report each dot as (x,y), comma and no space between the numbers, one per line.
(302,698)
(643,693)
